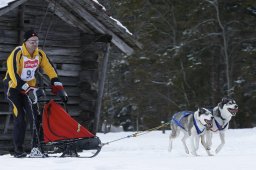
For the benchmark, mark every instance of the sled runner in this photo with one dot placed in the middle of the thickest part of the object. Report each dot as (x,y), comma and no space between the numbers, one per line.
(62,134)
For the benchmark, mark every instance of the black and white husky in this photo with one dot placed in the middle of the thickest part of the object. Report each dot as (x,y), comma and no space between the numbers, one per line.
(222,115)
(193,125)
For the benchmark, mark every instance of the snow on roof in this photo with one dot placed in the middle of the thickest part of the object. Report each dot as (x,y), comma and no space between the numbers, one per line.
(121,25)
(118,22)
(100,5)
(4,3)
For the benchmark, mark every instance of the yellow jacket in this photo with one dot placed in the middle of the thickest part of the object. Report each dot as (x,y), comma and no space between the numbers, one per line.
(21,67)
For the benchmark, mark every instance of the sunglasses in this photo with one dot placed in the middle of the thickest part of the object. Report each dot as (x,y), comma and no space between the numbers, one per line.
(33,42)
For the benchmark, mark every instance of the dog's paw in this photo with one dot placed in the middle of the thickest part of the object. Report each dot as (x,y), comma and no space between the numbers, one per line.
(217,150)
(209,153)
(194,153)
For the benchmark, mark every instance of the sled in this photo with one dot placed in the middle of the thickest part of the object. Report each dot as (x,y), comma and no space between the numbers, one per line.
(60,133)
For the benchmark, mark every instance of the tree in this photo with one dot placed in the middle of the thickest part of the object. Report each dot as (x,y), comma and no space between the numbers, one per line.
(195,52)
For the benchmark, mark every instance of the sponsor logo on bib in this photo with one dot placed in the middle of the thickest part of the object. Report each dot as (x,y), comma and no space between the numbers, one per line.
(30,63)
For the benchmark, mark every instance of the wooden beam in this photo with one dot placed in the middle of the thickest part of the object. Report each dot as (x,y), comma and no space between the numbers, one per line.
(97,10)
(80,10)
(11,6)
(68,73)
(101,89)
(66,16)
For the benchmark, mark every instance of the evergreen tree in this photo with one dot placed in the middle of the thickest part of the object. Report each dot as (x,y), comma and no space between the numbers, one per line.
(195,52)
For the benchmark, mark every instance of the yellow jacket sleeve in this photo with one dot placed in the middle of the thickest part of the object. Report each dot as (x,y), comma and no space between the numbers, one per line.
(47,66)
(13,67)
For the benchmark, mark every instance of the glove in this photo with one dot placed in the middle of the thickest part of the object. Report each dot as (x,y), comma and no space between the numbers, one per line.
(31,92)
(56,87)
(63,95)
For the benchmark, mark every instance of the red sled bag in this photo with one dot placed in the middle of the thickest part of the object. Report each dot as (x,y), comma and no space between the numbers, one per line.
(58,125)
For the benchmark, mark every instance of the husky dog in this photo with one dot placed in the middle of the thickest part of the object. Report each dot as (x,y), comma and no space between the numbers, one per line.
(193,125)
(222,115)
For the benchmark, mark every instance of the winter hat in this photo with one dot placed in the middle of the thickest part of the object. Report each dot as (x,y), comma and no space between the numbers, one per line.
(29,34)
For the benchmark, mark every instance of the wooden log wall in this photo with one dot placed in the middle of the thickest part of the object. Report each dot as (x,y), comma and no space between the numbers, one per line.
(74,54)
(93,49)
(8,40)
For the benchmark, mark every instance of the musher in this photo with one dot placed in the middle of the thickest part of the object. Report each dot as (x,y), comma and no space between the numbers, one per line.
(22,65)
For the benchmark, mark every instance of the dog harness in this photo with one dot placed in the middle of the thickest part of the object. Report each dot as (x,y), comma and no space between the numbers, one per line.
(185,114)
(219,126)
(219,114)
(217,123)
(197,128)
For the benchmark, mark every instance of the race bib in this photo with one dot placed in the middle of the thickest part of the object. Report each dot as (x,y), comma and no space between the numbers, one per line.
(29,68)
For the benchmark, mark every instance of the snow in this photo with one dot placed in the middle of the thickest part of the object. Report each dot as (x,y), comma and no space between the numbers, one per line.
(4,3)
(100,5)
(121,25)
(149,152)
(117,21)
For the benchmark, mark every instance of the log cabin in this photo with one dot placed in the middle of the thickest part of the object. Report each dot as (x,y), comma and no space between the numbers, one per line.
(77,36)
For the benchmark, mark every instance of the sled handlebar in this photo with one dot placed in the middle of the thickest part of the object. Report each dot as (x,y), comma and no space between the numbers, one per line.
(47,100)
(43,99)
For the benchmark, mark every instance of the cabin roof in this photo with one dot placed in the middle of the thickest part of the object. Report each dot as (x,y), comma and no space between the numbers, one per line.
(88,16)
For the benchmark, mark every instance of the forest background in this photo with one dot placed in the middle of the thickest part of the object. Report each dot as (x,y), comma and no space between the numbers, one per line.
(194,53)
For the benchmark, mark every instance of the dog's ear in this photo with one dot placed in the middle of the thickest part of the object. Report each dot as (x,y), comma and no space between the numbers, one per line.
(197,108)
(200,111)
(226,99)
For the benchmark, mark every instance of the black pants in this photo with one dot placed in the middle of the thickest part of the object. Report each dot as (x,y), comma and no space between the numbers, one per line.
(22,109)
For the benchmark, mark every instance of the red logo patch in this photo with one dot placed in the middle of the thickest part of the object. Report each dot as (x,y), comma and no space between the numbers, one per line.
(31,64)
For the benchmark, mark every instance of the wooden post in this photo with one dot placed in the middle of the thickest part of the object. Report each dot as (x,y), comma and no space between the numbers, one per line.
(105,126)
(101,89)
(163,127)
(138,123)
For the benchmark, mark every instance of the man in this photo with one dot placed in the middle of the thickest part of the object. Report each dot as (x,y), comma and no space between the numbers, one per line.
(19,81)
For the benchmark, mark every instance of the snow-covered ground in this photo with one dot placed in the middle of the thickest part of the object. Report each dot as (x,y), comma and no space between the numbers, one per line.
(149,152)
